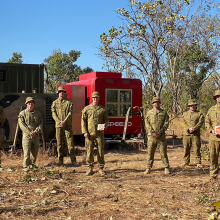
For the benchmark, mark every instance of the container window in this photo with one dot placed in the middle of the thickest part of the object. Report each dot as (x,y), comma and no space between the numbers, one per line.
(118,101)
(112,96)
(112,110)
(124,109)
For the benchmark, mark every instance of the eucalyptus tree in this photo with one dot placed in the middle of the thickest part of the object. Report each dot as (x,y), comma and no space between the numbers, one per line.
(61,69)
(16,58)
(153,33)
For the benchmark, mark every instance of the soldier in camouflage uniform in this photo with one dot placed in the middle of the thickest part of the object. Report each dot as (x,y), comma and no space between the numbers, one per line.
(30,122)
(2,120)
(157,122)
(62,113)
(192,122)
(92,115)
(211,121)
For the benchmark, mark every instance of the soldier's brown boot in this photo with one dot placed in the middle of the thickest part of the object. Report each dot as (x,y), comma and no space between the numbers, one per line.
(199,166)
(60,163)
(184,164)
(166,171)
(101,171)
(90,171)
(74,164)
(147,171)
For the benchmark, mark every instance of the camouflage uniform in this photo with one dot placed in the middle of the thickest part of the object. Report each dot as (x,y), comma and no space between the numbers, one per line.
(157,121)
(2,120)
(62,111)
(213,119)
(30,121)
(91,117)
(195,120)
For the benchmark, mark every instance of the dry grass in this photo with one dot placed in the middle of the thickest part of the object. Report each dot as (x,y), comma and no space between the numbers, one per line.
(55,192)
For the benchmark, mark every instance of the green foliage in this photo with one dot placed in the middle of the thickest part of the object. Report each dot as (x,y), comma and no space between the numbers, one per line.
(205,152)
(26,178)
(153,31)
(203,198)
(61,69)
(16,58)
(193,64)
(50,172)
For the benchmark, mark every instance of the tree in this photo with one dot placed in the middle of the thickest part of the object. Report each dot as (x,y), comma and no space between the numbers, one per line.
(61,68)
(151,31)
(16,58)
(192,61)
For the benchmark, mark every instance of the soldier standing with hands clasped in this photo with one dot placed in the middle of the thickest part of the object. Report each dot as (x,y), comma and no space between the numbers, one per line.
(93,115)
(212,121)
(62,113)
(157,122)
(30,122)
(192,122)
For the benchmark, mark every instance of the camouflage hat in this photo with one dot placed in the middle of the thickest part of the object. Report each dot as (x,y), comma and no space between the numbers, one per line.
(155,99)
(95,95)
(61,88)
(28,99)
(217,92)
(192,102)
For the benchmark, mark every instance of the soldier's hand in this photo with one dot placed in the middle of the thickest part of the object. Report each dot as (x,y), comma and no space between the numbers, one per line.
(63,124)
(86,135)
(213,132)
(33,134)
(191,130)
(156,134)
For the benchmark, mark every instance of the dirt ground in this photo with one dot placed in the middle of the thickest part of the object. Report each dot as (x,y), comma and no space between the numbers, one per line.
(54,192)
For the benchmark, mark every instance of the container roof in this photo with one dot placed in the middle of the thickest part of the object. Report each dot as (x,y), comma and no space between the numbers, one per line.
(99,75)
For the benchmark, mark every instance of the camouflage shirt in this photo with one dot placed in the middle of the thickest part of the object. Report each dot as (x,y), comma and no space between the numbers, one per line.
(62,111)
(157,121)
(91,117)
(213,119)
(30,121)
(192,120)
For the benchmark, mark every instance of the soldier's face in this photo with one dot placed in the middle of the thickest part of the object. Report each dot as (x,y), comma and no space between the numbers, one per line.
(30,106)
(217,98)
(61,95)
(156,104)
(95,100)
(192,108)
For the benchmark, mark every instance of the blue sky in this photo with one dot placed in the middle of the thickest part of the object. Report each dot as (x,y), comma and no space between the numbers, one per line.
(36,27)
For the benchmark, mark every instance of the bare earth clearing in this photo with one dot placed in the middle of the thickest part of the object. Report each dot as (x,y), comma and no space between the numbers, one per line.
(55,192)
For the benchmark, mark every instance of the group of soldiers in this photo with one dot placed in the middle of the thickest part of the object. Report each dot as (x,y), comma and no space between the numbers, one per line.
(30,122)
(95,121)
(157,122)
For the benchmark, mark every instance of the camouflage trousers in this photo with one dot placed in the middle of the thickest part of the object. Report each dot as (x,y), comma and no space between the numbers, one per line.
(195,142)
(152,144)
(214,147)
(100,146)
(60,132)
(30,149)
